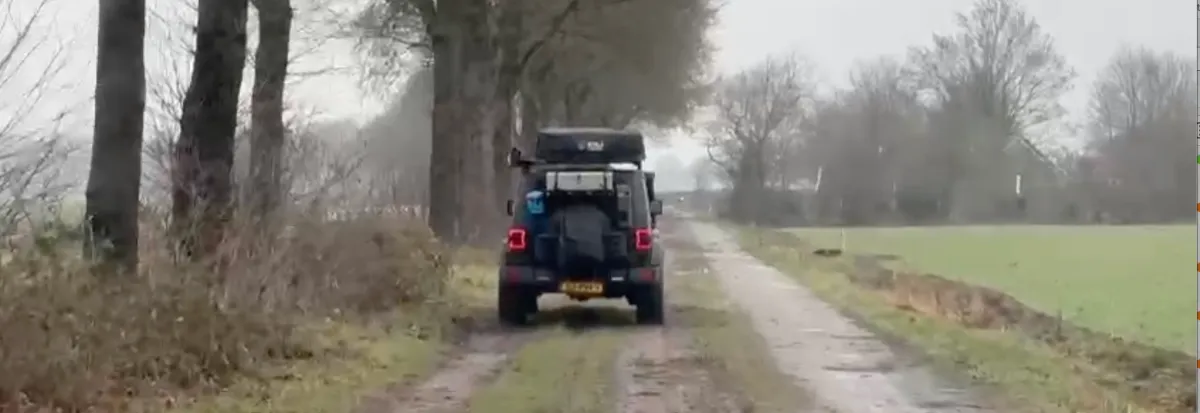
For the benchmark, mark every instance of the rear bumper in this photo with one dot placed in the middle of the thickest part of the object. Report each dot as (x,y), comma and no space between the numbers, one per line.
(615,283)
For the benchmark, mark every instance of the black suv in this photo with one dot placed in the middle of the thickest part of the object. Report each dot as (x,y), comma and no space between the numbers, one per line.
(583,225)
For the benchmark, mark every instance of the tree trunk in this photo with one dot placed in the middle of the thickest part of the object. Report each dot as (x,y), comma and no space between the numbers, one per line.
(267,133)
(502,141)
(510,33)
(114,182)
(750,184)
(460,173)
(531,121)
(481,217)
(445,156)
(202,188)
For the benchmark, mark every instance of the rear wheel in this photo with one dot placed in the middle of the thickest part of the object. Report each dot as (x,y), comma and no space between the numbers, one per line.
(514,305)
(649,302)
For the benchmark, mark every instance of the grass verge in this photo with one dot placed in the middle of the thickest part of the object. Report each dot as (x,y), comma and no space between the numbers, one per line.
(353,359)
(1035,375)
(359,357)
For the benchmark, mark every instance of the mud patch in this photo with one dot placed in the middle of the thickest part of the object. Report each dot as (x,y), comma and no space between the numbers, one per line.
(661,373)
(1159,379)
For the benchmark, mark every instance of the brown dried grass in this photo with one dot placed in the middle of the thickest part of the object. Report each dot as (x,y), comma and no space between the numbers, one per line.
(71,341)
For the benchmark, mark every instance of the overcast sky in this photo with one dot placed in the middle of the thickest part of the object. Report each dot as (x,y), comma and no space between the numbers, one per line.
(833,33)
(837,33)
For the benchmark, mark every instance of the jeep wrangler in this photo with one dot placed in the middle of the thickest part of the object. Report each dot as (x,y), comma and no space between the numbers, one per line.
(583,225)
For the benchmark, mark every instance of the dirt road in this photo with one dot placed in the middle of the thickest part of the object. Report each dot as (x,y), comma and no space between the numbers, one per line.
(850,369)
(740,337)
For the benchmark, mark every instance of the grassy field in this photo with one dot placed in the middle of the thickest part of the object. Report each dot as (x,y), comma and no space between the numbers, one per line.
(1128,281)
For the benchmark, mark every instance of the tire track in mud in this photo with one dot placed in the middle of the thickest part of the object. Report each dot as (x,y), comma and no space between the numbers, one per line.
(487,353)
(660,370)
(472,366)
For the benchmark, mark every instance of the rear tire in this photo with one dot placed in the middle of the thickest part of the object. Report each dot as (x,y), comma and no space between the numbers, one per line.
(649,302)
(514,305)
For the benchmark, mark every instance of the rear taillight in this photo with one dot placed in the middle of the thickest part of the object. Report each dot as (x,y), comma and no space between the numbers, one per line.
(642,239)
(517,239)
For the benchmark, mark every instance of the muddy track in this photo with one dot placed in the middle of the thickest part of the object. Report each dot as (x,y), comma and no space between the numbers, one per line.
(486,352)
(660,371)
(663,369)
(472,366)
(848,367)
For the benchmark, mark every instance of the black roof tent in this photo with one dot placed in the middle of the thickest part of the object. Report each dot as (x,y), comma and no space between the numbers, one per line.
(589,146)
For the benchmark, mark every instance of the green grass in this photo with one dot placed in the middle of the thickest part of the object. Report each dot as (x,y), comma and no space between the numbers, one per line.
(1128,281)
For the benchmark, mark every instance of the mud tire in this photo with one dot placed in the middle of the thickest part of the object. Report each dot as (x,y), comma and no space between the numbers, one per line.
(514,305)
(649,304)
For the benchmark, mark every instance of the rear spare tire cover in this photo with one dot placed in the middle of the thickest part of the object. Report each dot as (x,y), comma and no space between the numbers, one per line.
(582,235)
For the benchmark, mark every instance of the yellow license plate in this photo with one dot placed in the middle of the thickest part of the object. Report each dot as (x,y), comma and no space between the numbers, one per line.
(582,288)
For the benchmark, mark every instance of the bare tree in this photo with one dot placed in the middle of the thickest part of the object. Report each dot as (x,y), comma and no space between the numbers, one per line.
(1139,122)
(33,153)
(203,160)
(115,179)
(624,62)
(399,144)
(267,131)
(757,110)
(869,143)
(171,30)
(992,85)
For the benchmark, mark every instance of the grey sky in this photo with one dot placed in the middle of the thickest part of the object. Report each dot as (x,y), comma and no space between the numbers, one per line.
(833,33)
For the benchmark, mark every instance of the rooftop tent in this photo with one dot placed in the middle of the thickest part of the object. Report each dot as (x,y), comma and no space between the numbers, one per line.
(589,146)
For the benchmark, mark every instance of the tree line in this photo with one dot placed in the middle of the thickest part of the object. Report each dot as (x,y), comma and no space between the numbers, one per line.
(966,128)
(514,66)
(496,72)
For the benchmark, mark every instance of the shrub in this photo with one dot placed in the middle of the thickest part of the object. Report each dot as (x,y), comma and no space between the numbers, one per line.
(73,341)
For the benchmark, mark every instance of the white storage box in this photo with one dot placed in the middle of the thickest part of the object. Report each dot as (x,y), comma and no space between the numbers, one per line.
(579,180)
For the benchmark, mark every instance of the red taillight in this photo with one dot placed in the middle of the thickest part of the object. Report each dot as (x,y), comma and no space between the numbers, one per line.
(642,239)
(516,239)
